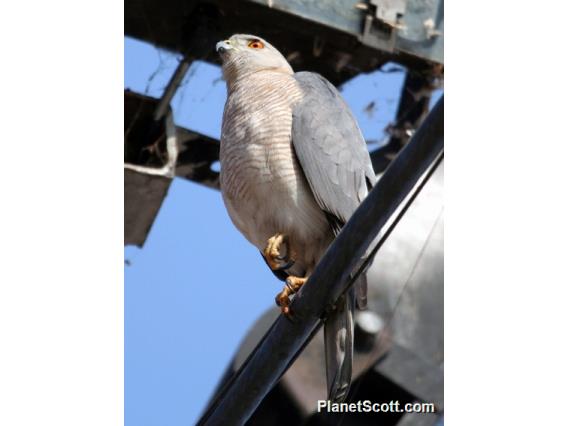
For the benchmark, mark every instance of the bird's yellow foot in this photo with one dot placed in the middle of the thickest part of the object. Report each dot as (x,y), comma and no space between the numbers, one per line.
(277,252)
(293,284)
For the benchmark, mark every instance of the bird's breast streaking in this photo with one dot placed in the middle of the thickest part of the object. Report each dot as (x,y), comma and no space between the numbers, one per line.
(262,183)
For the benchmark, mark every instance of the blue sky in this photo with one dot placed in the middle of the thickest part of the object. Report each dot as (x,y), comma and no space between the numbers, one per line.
(195,288)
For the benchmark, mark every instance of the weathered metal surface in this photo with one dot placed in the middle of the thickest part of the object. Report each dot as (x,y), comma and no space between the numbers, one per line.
(146,143)
(425,381)
(410,272)
(176,79)
(343,15)
(389,11)
(143,196)
(146,158)
(419,419)
(336,38)
(197,158)
(413,107)
(407,288)
(423,30)
(153,152)
(145,140)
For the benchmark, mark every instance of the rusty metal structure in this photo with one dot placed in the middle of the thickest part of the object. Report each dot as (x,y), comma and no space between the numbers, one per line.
(399,341)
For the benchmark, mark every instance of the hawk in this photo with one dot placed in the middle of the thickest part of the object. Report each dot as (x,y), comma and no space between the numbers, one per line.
(294,168)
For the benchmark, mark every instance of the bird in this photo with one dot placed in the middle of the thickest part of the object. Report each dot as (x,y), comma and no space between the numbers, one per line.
(294,166)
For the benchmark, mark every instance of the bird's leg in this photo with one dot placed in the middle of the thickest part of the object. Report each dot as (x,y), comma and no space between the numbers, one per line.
(277,252)
(292,286)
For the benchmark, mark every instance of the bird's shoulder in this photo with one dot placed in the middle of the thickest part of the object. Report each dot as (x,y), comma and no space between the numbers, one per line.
(312,83)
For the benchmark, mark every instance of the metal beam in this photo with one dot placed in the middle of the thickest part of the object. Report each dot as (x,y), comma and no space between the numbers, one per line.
(400,183)
(412,109)
(171,88)
(336,38)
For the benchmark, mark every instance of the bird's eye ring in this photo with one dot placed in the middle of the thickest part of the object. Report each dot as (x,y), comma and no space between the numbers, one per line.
(256,44)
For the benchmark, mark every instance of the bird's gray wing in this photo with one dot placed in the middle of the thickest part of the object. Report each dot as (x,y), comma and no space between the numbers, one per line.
(330,148)
(334,158)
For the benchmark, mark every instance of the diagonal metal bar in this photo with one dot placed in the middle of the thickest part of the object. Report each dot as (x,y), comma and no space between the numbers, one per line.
(171,88)
(239,398)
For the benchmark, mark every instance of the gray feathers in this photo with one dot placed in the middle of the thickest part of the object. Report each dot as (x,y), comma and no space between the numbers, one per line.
(330,148)
(338,336)
(334,158)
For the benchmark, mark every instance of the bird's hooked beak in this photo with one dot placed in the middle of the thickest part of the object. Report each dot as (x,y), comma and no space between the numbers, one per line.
(224,46)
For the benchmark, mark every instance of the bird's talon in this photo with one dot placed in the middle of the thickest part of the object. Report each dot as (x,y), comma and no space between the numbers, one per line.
(277,253)
(292,285)
(282,298)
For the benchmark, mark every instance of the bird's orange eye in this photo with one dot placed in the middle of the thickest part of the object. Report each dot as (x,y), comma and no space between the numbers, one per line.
(256,44)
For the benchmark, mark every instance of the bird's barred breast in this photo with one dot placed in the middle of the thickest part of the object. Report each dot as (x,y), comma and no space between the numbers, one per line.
(262,183)
(256,135)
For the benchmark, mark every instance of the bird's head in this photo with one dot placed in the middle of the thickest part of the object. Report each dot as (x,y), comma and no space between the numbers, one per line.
(244,54)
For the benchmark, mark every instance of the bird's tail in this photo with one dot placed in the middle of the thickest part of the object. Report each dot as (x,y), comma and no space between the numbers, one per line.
(338,335)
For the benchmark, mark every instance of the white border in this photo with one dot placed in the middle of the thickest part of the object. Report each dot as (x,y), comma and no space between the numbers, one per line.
(61,255)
